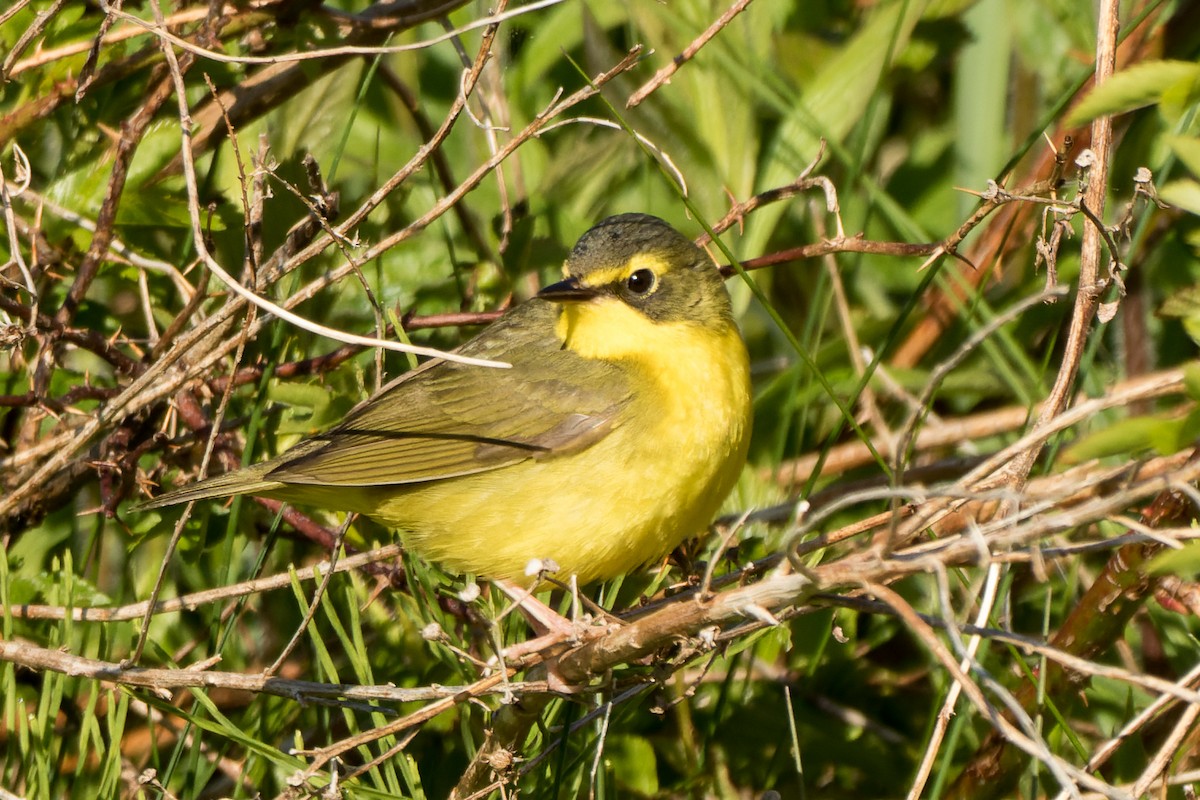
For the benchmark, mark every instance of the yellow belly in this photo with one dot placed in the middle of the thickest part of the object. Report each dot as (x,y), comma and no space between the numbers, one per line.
(659,477)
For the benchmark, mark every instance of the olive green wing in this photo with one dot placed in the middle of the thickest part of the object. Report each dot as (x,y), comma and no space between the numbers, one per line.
(447,419)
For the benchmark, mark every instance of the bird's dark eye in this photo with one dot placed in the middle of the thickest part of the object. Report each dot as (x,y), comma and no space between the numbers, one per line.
(641,281)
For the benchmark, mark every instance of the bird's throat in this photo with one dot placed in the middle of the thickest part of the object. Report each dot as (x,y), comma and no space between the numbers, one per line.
(606,328)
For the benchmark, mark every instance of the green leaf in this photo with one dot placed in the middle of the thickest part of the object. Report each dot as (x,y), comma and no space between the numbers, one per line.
(309,404)
(1187,150)
(1184,562)
(1183,193)
(1191,326)
(1179,98)
(1138,86)
(1163,435)
(1187,433)
(154,208)
(632,762)
(1191,380)
(1182,304)
(1185,306)
(305,395)
(833,102)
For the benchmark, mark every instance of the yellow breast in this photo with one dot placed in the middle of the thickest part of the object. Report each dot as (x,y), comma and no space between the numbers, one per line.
(658,477)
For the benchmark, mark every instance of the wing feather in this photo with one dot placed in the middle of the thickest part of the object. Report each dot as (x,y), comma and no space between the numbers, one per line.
(447,419)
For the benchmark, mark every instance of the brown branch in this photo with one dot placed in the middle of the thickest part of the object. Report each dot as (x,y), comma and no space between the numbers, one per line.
(453,319)
(802,183)
(329,361)
(26,38)
(1095,622)
(84,338)
(60,403)
(132,132)
(689,52)
(1092,280)
(273,84)
(395,15)
(54,660)
(486,168)
(843,244)
(441,166)
(185,16)
(195,600)
(747,608)
(951,432)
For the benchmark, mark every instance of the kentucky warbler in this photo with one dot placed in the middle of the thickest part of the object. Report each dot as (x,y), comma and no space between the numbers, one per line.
(616,434)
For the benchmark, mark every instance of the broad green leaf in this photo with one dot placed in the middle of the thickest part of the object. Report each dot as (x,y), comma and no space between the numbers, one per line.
(632,762)
(313,407)
(1184,562)
(1182,303)
(157,148)
(152,207)
(1191,380)
(832,104)
(980,98)
(304,395)
(1187,150)
(561,29)
(27,554)
(1163,435)
(1179,99)
(1183,193)
(1138,86)
(836,99)
(1185,306)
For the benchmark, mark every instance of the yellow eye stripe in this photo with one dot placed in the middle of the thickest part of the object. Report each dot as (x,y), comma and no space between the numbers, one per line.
(607,277)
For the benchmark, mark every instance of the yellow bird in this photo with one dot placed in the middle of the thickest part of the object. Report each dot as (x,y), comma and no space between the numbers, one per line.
(620,428)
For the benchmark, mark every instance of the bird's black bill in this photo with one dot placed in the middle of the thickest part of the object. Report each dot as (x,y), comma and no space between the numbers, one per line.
(567,291)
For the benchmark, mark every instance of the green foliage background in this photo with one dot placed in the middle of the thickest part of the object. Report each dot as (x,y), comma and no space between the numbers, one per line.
(915,102)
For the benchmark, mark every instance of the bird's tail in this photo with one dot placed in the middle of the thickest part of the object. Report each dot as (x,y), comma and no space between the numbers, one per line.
(251,480)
